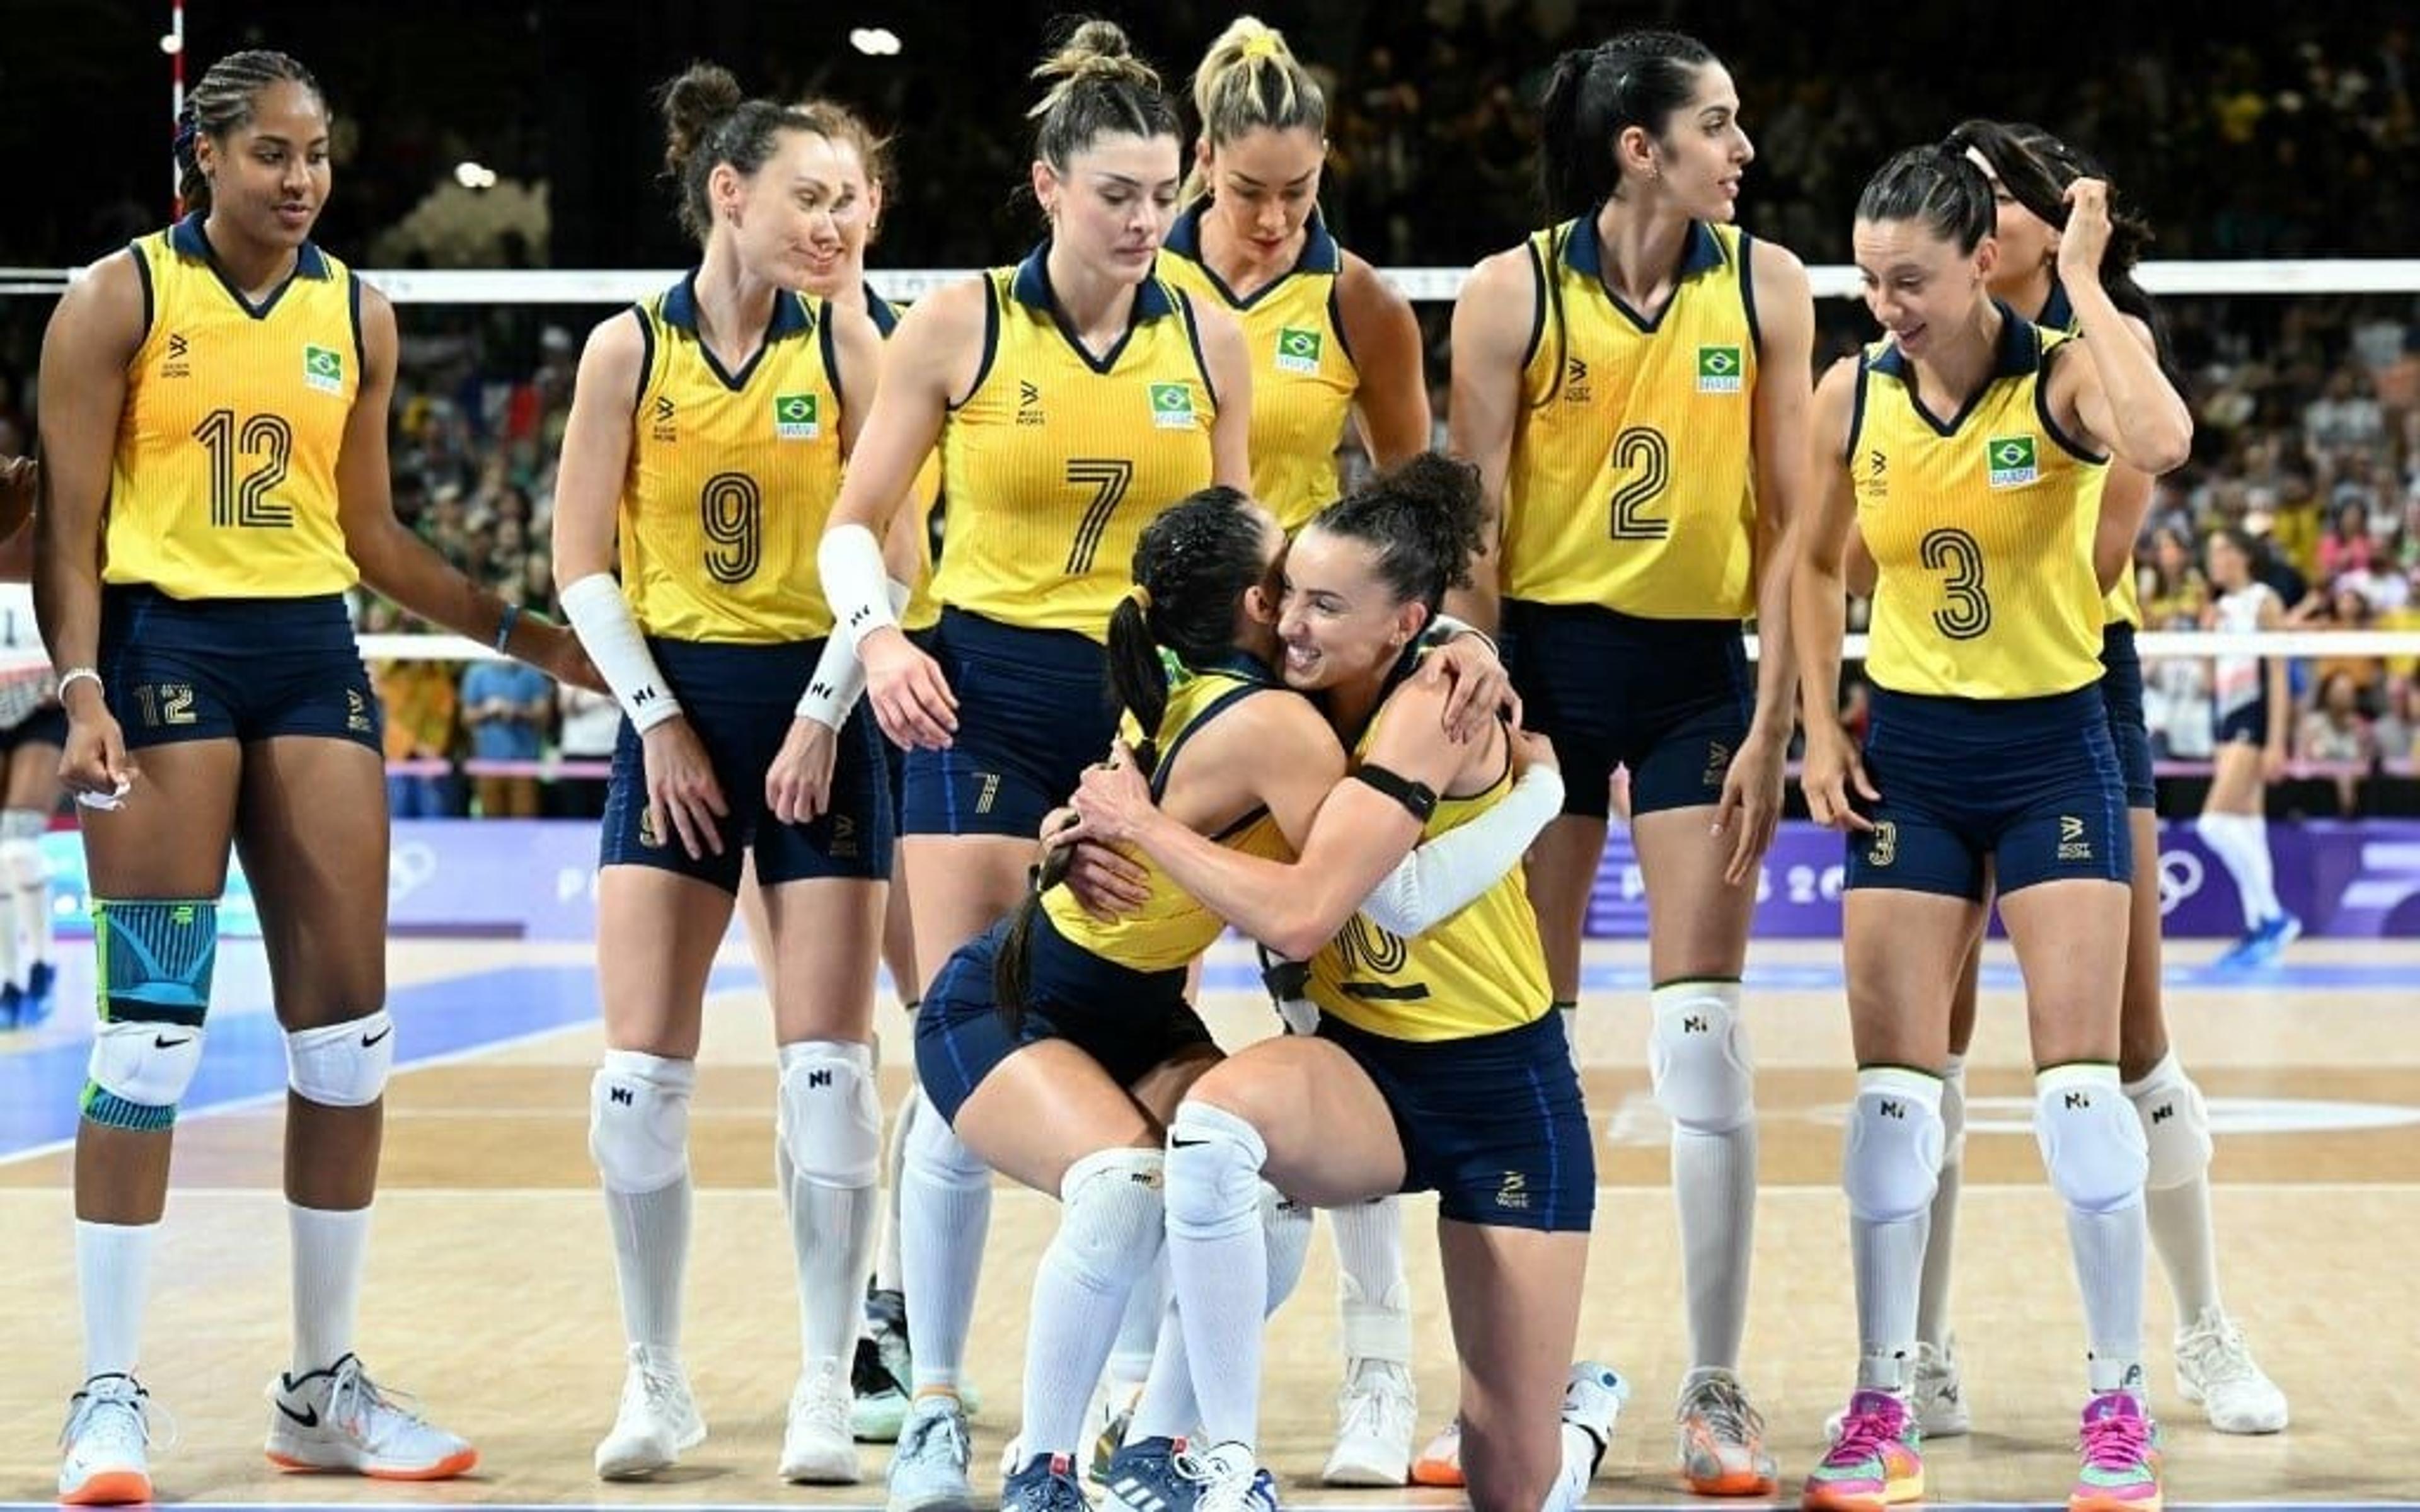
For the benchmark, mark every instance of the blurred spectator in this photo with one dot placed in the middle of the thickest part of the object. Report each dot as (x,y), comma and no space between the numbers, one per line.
(2337,731)
(420,703)
(506,707)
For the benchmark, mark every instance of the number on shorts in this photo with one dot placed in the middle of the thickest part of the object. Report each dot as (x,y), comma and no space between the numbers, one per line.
(1969,613)
(1108,478)
(731,511)
(245,503)
(1644,448)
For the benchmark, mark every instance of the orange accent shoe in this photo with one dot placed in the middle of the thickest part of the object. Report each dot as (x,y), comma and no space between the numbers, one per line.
(1873,1463)
(340,1420)
(1440,1464)
(106,1443)
(1722,1439)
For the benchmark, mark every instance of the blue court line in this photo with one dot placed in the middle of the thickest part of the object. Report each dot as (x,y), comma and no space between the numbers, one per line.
(244,1056)
(1820,976)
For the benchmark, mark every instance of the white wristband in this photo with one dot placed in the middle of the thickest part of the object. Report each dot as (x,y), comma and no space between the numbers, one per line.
(602,617)
(75,674)
(839,677)
(855,582)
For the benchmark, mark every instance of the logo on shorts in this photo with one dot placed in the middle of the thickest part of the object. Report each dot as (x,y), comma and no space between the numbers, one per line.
(1718,762)
(357,711)
(987,793)
(1719,369)
(1172,407)
(1881,847)
(1512,1193)
(2072,845)
(323,368)
(844,839)
(2010,461)
(796,417)
(1576,383)
(1028,403)
(647,836)
(1298,349)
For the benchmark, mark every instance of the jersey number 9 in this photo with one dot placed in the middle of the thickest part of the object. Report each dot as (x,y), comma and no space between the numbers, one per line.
(731,512)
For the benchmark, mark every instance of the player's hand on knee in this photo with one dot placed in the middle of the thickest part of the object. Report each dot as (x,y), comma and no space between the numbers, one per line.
(798,787)
(681,788)
(911,699)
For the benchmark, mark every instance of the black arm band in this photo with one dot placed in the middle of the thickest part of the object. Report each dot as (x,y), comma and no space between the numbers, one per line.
(1419,799)
(1285,979)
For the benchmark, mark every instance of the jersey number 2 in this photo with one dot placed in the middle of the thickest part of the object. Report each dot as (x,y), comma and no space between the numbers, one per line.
(1644,448)
(1954,552)
(246,502)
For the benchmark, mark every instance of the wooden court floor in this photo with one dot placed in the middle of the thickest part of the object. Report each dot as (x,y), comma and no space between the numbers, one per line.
(490,1290)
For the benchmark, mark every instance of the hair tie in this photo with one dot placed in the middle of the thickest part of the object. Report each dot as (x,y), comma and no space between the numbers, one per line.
(1141,598)
(1260,44)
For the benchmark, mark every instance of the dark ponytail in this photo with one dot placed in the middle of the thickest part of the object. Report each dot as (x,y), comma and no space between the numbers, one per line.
(1593,95)
(1422,517)
(709,120)
(1192,569)
(1936,188)
(222,102)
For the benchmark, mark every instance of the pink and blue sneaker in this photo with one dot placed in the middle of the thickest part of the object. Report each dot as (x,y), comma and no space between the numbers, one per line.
(1873,1463)
(2120,1446)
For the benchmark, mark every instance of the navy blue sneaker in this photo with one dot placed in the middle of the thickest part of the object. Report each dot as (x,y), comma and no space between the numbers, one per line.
(1047,1484)
(1143,1477)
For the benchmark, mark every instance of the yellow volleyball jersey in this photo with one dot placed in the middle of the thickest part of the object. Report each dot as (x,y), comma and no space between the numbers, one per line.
(1479,972)
(1057,459)
(924,610)
(1980,528)
(1170,929)
(1303,377)
(1632,484)
(731,476)
(224,481)
(2124,604)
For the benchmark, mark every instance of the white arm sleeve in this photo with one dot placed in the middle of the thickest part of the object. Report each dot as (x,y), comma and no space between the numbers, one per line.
(600,616)
(839,678)
(855,582)
(1443,877)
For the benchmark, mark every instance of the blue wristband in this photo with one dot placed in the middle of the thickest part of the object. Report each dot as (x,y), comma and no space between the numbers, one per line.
(505,626)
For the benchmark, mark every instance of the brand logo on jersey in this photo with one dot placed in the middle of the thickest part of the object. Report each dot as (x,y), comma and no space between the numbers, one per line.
(1172,407)
(2010,461)
(1719,369)
(1575,384)
(843,846)
(323,368)
(1873,484)
(2072,845)
(1028,402)
(176,367)
(1513,1191)
(1298,349)
(664,430)
(796,417)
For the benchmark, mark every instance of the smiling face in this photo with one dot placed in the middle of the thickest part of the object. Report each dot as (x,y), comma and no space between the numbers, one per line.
(791,219)
(1916,283)
(269,176)
(1265,184)
(1114,202)
(1342,623)
(843,204)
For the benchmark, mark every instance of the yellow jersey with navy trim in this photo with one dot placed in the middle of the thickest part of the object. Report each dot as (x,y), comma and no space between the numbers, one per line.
(1057,459)
(1980,528)
(730,477)
(2124,604)
(1172,928)
(224,481)
(1303,377)
(1632,484)
(924,610)
(1480,971)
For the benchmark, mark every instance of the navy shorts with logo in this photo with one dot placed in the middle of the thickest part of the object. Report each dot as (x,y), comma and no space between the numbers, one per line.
(233,669)
(740,699)
(2032,785)
(1669,700)
(1034,711)
(1129,1022)
(2247,725)
(1493,1125)
(2121,690)
(894,758)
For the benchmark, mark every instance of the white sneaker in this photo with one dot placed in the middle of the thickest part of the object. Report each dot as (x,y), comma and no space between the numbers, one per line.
(1721,1437)
(1593,1402)
(2215,1369)
(340,1419)
(1375,1414)
(657,1420)
(1936,1397)
(818,1449)
(1230,1481)
(928,1469)
(106,1443)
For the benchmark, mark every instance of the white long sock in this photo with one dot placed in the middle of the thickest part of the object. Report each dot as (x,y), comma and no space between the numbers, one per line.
(1887,1230)
(1167,1409)
(1707,1093)
(639,1136)
(895,1159)
(1110,1228)
(1374,1296)
(16,962)
(2089,1130)
(1218,1261)
(835,1153)
(2242,843)
(1138,1334)
(945,1218)
(1941,1239)
(329,1248)
(113,1281)
(2176,1197)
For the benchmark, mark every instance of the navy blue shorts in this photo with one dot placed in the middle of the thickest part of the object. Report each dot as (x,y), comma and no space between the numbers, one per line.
(234,669)
(1493,1125)
(740,699)
(45,726)
(2247,725)
(2032,785)
(1129,1022)
(1669,700)
(894,758)
(2121,693)
(1034,711)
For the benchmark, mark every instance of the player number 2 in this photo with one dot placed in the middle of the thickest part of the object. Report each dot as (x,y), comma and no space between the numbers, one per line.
(1645,449)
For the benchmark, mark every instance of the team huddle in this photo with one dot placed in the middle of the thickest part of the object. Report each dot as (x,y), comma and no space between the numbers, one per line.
(1375,731)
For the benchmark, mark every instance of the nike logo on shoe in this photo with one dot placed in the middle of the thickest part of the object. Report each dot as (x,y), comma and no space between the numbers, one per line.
(308,1417)
(161,1041)
(1175,1143)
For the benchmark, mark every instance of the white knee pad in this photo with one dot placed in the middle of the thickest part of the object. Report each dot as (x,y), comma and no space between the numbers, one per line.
(1113,1218)
(1953,1112)
(2176,1124)
(21,858)
(830,1119)
(1286,1225)
(146,1064)
(638,1121)
(343,1065)
(2091,1139)
(937,1155)
(1893,1163)
(1698,1054)
(1214,1172)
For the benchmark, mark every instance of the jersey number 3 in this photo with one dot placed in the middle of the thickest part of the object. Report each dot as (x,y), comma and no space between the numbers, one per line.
(1956,553)
(1644,448)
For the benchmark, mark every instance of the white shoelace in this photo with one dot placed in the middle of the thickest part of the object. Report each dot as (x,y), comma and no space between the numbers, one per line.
(2216,1353)
(1371,1403)
(91,1416)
